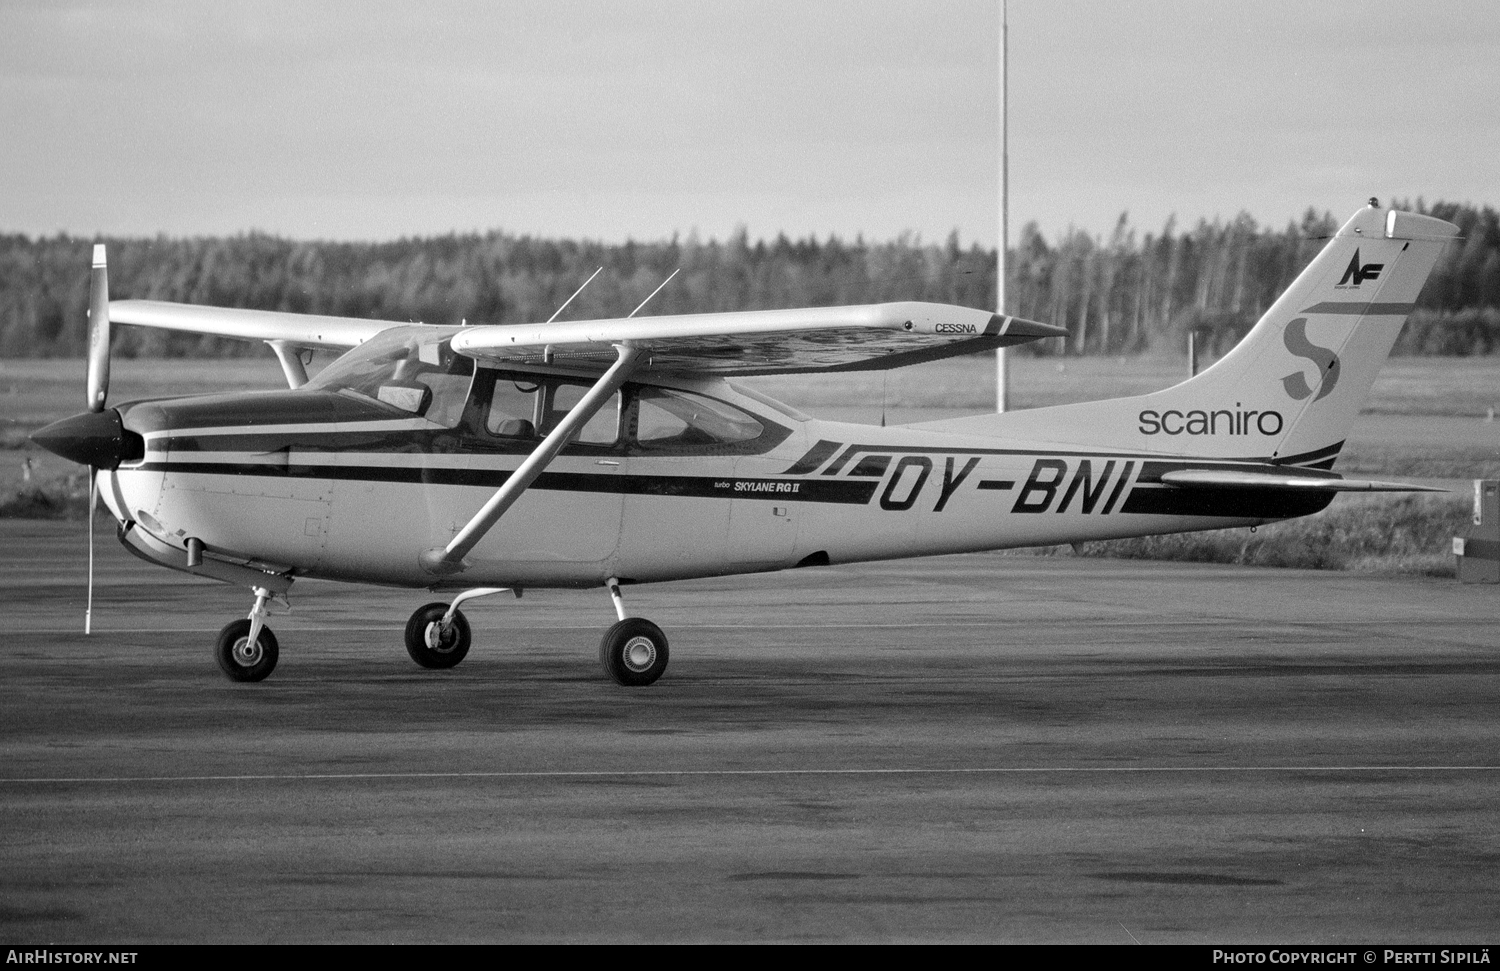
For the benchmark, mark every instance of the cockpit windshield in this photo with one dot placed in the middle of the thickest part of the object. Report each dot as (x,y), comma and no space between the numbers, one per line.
(413,371)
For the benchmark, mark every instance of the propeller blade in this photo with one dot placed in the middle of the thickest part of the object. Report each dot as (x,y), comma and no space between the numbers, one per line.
(88,613)
(98,331)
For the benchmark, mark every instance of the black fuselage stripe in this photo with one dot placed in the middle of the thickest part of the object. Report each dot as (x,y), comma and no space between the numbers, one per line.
(719,487)
(431,444)
(1080,452)
(815,457)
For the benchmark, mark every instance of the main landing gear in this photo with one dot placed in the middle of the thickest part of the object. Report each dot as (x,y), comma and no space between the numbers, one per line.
(633,652)
(437,635)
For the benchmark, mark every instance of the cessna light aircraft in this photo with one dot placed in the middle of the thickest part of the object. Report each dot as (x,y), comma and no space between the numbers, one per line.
(597,454)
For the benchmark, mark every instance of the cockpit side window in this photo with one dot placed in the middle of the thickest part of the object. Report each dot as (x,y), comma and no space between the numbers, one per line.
(602,429)
(513,407)
(411,371)
(449,389)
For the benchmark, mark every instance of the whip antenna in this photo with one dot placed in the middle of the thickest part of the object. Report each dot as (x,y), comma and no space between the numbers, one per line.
(656,291)
(575,293)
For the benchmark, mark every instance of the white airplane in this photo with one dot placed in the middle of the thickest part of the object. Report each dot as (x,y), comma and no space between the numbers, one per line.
(603,453)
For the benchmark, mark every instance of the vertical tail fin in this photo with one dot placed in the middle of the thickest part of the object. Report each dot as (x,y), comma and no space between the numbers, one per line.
(1308,365)
(1291,389)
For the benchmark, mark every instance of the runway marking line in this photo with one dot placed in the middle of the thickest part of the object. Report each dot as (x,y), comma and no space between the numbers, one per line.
(708,773)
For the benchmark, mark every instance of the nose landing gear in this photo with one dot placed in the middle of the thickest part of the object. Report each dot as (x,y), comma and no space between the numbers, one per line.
(246,649)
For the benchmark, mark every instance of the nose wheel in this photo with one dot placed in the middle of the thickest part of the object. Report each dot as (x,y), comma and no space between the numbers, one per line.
(243,658)
(246,649)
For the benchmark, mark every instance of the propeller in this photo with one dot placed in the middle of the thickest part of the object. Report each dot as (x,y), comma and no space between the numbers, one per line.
(96,437)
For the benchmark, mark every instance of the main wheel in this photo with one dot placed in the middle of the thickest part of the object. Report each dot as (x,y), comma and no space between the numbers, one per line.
(239,658)
(431,644)
(634,652)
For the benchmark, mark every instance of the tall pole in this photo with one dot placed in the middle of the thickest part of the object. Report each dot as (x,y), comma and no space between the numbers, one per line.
(1002,362)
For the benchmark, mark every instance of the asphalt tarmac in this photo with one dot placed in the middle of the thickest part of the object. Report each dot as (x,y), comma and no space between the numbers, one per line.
(976,748)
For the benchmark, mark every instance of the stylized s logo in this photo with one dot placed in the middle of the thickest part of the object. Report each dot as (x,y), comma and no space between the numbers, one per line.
(1295,338)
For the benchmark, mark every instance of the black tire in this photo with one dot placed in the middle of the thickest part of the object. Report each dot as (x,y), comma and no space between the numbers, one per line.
(240,660)
(449,646)
(634,652)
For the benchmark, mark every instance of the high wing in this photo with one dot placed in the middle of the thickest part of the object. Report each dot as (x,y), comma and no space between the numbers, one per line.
(302,330)
(818,339)
(854,338)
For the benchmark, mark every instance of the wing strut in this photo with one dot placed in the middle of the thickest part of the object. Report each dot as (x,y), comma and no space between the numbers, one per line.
(290,357)
(450,559)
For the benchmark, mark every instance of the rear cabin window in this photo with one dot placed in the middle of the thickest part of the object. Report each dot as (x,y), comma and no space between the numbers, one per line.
(664,420)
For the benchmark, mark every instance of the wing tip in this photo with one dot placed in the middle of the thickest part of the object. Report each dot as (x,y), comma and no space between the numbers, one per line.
(1004,325)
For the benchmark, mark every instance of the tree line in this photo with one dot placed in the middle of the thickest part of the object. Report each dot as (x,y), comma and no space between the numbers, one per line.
(1130,292)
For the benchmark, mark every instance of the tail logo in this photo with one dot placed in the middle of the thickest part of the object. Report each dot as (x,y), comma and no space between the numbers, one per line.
(1358,273)
(1327,362)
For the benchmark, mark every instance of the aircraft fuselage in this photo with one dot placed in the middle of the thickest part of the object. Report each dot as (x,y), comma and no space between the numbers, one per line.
(321,484)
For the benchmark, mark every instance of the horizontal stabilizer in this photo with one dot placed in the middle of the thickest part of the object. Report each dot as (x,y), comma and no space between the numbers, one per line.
(1211,478)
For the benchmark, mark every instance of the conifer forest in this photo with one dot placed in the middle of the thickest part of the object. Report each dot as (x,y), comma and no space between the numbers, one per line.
(1126,292)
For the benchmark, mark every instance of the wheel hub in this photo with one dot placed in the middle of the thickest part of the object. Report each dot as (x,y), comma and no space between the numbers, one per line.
(639,653)
(247,653)
(440,638)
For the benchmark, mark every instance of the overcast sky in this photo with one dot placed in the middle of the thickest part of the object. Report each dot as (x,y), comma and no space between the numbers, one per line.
(608,120)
